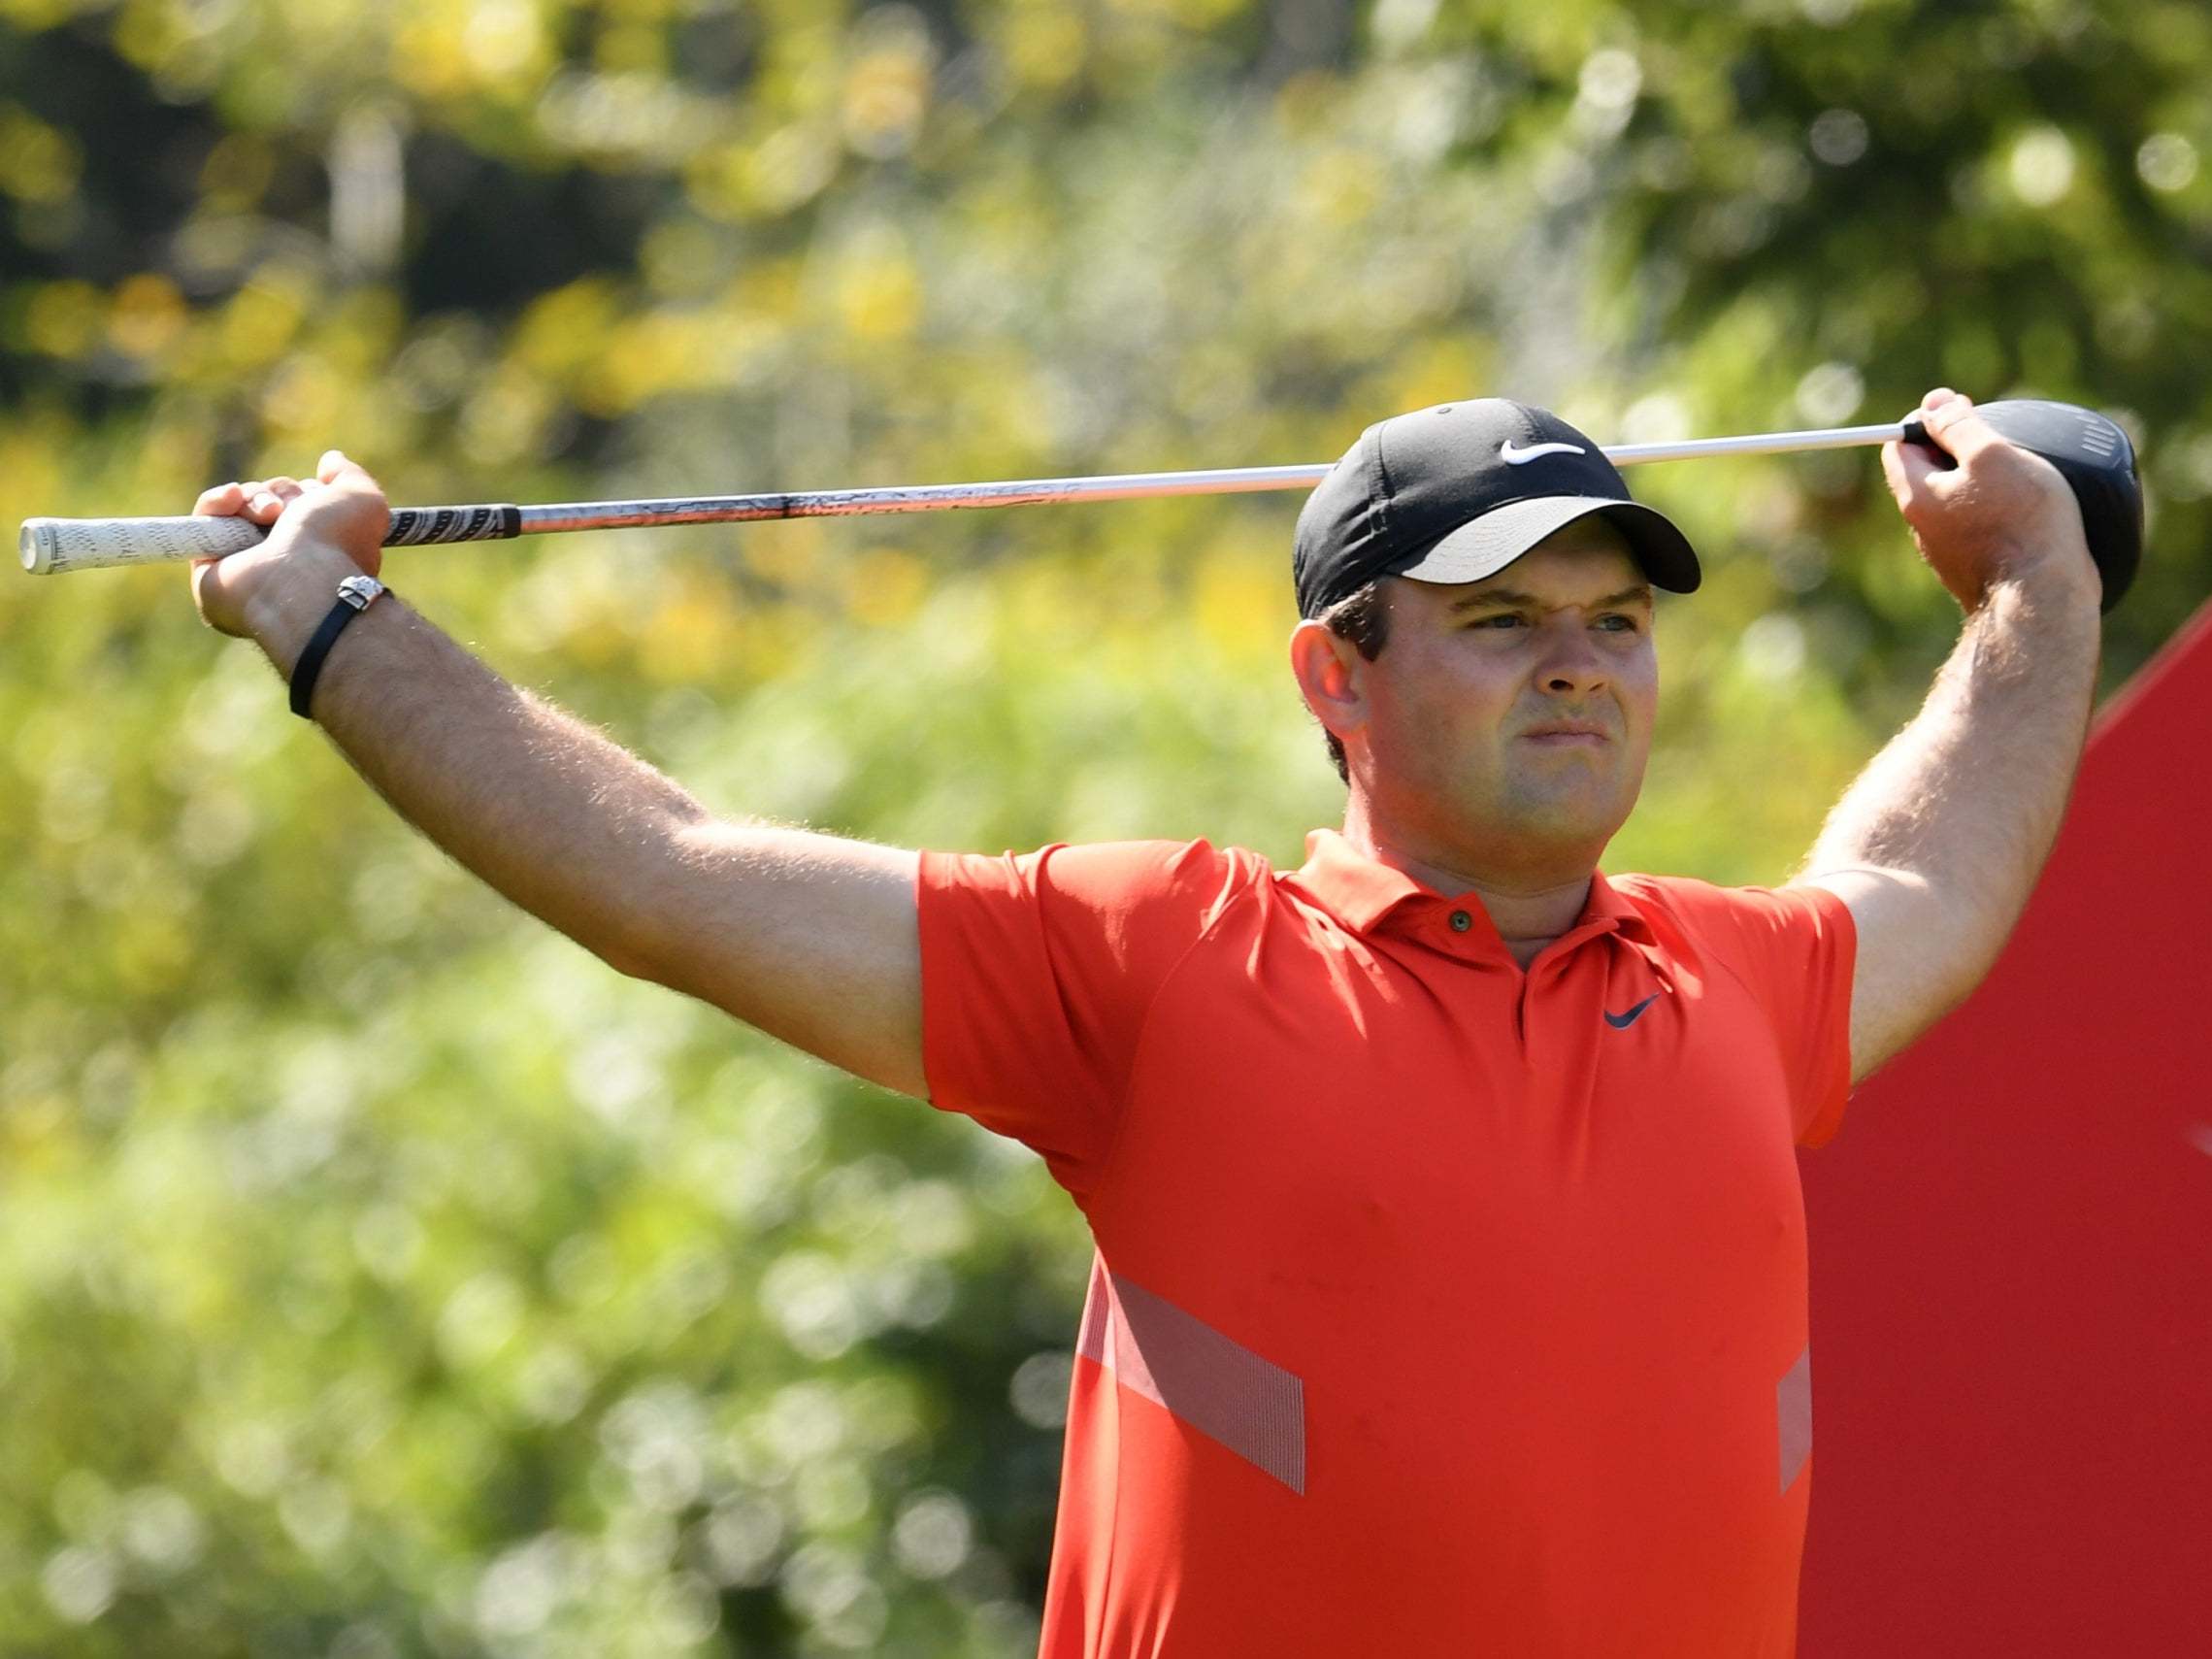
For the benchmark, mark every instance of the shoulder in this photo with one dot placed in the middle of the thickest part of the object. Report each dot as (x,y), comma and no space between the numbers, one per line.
(1746,926)
(1152,878)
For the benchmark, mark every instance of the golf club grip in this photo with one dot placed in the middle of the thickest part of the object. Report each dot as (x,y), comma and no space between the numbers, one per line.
(50,546)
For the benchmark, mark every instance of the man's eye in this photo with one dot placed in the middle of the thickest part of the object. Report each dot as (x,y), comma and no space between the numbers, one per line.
(1618,623)
(1503,619)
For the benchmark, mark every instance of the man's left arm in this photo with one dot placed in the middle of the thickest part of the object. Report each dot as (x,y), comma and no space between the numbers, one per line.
(1938,845)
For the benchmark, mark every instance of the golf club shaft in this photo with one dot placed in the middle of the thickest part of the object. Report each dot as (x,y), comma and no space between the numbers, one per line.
(1124,486)
(58,544)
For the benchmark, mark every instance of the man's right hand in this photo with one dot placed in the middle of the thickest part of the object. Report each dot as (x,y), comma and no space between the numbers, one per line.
(319,531)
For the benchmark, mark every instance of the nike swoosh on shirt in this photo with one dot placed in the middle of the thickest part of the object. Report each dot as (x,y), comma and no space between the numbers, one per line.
(1513,456)
(1622,1021)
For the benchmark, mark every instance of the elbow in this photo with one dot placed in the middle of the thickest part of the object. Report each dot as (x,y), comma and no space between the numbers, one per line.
(630,964)
(638,949)
(670,971)
(653,932)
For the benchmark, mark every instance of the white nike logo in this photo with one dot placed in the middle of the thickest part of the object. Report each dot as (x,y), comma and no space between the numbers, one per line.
(1513,456)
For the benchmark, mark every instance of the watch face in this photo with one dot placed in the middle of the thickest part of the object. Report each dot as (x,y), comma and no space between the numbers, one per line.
(358,590)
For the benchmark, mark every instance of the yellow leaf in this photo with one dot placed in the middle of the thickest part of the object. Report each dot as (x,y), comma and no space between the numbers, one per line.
(148,315)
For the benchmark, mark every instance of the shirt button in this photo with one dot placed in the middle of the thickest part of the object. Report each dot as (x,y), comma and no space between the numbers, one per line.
(1461,921)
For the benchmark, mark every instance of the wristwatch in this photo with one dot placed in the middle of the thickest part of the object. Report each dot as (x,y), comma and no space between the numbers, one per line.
(355,594)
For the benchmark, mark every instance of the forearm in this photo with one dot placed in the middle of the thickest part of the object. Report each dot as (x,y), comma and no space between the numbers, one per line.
(1968,797)
(564,824)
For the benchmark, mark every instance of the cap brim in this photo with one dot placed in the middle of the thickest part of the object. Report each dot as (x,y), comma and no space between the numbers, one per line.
(1483,546)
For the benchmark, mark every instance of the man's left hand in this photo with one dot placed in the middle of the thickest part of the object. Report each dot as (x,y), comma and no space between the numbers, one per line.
(1999,514)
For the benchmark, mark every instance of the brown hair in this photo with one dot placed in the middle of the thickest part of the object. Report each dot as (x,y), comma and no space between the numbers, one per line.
(1364,618)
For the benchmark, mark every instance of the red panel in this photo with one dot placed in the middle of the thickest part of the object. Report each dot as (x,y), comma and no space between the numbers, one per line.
(2013,1256)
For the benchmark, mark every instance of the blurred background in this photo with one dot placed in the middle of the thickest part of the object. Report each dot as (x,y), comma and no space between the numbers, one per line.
(382,1275)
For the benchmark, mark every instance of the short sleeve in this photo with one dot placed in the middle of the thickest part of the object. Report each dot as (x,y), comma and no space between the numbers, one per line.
(1037,972)
(1798,949)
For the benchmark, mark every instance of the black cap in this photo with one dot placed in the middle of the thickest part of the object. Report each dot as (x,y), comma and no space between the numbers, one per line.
(1457,493)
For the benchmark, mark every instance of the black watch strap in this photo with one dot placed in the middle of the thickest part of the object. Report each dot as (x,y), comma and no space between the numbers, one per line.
(355,594)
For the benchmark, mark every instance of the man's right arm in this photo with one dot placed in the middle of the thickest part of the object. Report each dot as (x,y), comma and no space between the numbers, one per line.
(810,937)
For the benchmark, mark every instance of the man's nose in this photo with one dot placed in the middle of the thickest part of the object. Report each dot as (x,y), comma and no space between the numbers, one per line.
(1571,663)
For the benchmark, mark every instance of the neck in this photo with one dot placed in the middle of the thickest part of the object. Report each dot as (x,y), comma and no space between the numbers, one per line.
(1529,906)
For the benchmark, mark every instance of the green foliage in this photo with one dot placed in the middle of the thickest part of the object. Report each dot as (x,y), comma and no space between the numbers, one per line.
(383,1276)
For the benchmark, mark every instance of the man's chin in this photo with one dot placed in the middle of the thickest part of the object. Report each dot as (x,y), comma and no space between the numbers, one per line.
(1591,785)
(1573,826)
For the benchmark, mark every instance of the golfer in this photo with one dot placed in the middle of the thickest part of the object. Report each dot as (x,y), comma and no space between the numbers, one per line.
(1450,1287)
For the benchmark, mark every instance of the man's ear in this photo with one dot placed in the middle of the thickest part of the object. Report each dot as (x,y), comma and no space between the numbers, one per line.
(1332,674)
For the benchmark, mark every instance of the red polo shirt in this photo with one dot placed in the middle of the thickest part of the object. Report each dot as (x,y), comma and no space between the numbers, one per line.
(1439,1308)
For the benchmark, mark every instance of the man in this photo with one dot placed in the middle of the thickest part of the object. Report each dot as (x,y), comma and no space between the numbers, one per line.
(1450,1287)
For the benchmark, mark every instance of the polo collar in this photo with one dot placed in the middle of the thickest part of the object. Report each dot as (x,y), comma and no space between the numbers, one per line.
(1359,891)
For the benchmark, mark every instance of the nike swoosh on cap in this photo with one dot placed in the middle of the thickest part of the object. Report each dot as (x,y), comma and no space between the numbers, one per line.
(1513,456)
(1622,1021)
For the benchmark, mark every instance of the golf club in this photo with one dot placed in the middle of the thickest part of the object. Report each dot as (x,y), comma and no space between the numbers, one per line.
(2091,452)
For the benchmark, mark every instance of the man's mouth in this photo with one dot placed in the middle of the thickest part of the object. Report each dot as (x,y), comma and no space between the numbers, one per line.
(1567,734)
